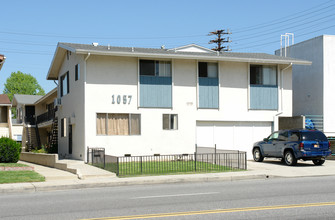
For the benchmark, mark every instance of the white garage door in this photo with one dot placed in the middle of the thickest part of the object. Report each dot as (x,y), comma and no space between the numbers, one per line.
(232,135)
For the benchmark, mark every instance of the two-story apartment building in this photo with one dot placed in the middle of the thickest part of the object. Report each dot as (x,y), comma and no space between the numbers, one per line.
(36,115)
(142,101)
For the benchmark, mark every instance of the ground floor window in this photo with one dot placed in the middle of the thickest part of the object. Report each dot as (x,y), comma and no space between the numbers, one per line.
(118,124)
(170,122)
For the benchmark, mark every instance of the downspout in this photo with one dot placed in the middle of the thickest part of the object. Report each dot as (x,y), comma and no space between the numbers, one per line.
(85,141)
(281,93)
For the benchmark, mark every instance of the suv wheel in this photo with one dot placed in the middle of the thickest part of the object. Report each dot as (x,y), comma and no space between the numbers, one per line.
(318,162)
(289,158)
(257,155)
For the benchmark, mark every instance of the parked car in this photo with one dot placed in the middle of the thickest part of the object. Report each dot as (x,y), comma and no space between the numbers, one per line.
(292,145)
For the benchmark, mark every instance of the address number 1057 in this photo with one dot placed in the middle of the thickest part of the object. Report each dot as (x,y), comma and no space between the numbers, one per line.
(118,99)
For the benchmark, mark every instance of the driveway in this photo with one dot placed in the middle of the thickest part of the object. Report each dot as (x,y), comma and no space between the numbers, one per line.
(274,168)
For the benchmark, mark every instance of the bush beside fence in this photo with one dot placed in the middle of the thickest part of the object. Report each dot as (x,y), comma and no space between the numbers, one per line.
(167,164)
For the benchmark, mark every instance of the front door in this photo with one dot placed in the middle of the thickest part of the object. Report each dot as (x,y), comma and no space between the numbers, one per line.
(30,113)
(70,139)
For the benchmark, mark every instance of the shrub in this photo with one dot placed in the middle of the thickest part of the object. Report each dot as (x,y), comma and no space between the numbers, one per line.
(9,150)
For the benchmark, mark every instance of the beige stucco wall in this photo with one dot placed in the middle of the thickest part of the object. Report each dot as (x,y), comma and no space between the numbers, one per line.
(41,107)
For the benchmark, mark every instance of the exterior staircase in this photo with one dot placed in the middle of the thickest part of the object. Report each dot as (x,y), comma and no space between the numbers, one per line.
(31,136)
(54,132)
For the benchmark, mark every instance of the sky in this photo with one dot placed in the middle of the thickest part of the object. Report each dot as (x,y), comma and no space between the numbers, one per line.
(30,30)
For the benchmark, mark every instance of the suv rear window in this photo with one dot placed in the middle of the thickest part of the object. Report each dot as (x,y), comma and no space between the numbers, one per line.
(310,136)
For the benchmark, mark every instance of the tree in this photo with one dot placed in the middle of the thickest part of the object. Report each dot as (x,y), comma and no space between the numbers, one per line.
(21,83)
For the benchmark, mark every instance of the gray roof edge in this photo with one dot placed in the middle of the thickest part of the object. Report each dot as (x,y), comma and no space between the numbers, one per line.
(286,60)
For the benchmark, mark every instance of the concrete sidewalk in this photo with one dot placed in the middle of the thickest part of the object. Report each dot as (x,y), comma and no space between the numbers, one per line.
(62,180)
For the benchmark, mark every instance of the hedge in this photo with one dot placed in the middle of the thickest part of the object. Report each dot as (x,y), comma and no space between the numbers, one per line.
(9,150)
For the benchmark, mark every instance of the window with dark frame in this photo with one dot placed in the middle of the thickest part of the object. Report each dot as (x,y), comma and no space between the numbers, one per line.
(155,68)
(3,114)
(170,122)
(263,75)
(77,72)
(208,69)
(64,84)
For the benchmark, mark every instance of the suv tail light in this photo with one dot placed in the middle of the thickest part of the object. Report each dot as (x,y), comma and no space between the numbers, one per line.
(301,146)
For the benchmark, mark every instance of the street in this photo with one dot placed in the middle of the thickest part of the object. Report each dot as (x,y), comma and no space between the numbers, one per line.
(290,198)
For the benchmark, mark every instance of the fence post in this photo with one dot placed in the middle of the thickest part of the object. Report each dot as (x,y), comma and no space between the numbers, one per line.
(215,154)
(195,161)
(88,155)
(245,160)
(238,159)
(141,165)
(117,166)
(92,154)
(104,158)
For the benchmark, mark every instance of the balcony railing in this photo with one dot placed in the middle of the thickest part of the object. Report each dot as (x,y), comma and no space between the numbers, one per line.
(47,116)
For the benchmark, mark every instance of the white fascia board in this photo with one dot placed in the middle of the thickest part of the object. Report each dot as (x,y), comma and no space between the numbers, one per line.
(196,57)
(46,96)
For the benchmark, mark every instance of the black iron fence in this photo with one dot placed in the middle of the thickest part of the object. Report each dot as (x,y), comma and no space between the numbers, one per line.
(168,164)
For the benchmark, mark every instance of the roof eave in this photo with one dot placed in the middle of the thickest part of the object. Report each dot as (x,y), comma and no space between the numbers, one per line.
(55,63)
(46,96)
(182,56)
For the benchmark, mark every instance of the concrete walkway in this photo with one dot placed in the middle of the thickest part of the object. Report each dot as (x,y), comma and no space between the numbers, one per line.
(92,177)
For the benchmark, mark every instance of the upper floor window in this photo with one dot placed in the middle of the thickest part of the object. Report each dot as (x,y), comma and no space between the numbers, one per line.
(155,68)
(208,85)
(77,72)
(209,70)
(263,87)
(263,75)
(64,84)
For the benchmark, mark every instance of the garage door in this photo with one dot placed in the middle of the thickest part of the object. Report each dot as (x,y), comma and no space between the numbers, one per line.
(232,135)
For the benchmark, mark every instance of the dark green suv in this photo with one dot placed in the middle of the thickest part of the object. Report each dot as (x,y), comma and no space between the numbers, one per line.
(292,145)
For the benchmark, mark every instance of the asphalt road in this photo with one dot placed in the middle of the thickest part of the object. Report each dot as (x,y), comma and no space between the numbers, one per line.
(291,198)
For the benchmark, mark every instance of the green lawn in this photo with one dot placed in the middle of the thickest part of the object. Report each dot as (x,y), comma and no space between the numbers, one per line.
(20,176)
(166,167)
(12,165)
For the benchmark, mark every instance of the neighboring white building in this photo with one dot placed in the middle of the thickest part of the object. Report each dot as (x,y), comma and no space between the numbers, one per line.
(314,86)
(142,101)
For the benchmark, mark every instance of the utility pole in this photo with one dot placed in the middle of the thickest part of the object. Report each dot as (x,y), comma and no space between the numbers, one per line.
(220,40)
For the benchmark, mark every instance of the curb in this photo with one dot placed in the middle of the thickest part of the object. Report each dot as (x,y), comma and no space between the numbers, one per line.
(93,183)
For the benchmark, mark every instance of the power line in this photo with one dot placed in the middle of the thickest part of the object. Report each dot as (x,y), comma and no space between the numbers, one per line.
(267,24)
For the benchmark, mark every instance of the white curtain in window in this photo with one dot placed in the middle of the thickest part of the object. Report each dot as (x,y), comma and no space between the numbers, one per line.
(270,75)
(212,69)
(101,123)
(165,68)
(135,124)
(174,122)
(118,124)
(166,118)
